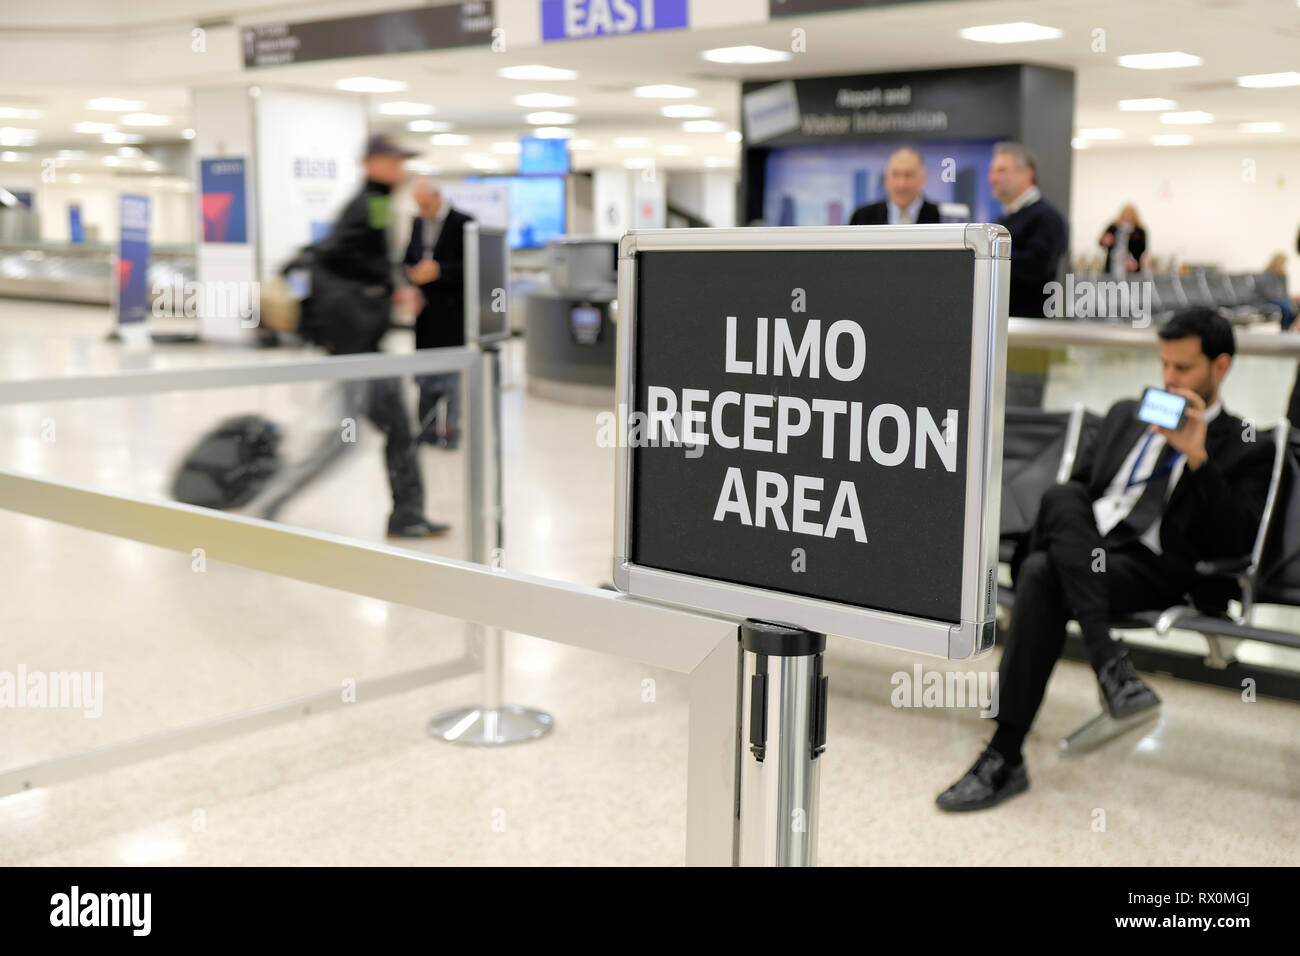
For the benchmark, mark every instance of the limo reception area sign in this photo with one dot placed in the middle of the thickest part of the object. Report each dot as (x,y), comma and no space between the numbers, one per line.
(813,427)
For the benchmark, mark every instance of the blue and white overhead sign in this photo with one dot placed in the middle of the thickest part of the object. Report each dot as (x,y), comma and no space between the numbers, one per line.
(579,19)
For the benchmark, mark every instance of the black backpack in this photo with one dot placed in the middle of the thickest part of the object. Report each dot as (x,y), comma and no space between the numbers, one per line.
(342,315)
(230,464)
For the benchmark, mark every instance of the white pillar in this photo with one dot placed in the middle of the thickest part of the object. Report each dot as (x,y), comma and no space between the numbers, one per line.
(627,199)
(301,153)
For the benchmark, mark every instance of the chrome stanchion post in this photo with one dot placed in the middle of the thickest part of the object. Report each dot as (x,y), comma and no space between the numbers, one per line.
(491,721)
(783,710)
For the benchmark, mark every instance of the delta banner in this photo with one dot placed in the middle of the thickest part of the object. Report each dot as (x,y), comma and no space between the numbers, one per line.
(133,261)
(224,200)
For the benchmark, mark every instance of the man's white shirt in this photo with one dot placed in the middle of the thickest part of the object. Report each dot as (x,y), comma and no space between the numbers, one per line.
(1131,480)
(433,229)
(913,211)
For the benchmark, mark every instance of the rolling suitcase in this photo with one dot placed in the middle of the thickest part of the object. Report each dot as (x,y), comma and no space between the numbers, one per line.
(229,465)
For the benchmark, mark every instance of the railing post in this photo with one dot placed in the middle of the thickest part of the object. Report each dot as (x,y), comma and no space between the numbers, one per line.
(491,720)
(784,716)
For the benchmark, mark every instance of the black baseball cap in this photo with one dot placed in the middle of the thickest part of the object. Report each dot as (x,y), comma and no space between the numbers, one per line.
(381,145)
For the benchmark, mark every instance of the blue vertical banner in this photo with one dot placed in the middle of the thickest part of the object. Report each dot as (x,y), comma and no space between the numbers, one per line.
(76,229)
(579,19)
(224,201)
(133,261)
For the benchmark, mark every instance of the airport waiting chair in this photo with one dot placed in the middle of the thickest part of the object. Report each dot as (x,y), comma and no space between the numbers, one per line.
(1167,293)
(1230,301)
(1201,290)
(1223,633)
(1243,284)
(1226,294)
(1269,574)
(1196,291)
(1161,310)
(1039,449)
(1248,302)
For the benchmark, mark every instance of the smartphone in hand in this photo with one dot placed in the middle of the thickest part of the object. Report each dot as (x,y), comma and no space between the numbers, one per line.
(1163,408)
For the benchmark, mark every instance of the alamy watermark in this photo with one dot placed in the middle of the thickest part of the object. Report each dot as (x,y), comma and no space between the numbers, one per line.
(931,689)
(213,299)
(1100,299)
(639,429)
(125,910)
(53,690)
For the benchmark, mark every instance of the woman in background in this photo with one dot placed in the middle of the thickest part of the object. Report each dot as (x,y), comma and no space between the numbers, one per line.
(1271,284)
(1125,242)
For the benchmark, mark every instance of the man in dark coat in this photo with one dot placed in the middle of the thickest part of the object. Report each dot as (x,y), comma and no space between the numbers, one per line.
(353,286)
(904,185)
(435,262)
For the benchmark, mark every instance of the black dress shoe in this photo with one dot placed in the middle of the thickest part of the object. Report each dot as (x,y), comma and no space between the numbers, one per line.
(399,527)
(986,784)
(1122,691)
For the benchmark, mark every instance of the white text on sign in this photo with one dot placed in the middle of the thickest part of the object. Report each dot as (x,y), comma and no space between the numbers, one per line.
(886,434)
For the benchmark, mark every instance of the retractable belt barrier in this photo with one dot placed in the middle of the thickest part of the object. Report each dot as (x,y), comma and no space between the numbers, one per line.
(699,645)
(812,465)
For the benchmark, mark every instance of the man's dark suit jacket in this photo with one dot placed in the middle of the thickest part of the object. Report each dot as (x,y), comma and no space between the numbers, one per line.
(1039,238)
(877,214)
(1213,512)
(442,320)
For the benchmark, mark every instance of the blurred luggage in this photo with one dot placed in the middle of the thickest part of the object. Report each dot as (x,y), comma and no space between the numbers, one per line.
(229,465)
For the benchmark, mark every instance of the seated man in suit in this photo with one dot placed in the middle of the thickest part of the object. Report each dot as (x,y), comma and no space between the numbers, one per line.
(904,181)
(1124,534)
(435,262)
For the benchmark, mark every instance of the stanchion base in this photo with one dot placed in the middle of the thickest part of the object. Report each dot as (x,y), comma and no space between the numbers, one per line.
(477,725)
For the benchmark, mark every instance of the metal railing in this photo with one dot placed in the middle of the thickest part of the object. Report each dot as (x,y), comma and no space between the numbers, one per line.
(701,646)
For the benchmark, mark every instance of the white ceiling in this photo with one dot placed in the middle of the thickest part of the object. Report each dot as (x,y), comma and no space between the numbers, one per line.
(1234,37)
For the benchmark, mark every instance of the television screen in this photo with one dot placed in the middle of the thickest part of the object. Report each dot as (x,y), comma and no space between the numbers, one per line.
(823,185)
(543,157)
(584,323)
(536,209)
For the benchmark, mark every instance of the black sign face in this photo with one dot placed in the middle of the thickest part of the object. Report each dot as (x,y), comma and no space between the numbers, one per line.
(400,31)
(811,409)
